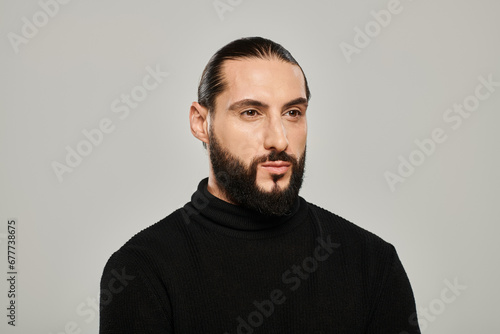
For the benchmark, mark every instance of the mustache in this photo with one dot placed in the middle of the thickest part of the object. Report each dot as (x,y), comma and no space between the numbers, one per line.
(276,156)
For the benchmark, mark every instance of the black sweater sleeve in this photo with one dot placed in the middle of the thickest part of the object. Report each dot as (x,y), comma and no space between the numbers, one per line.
(394,310)
(128,302)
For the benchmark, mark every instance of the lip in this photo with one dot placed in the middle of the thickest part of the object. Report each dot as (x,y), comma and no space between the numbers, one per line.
(276,167)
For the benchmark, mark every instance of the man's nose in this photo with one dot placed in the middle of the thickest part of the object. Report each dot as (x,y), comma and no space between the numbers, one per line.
(275,135)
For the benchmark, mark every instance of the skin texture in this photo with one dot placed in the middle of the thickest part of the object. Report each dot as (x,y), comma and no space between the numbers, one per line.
(262,109)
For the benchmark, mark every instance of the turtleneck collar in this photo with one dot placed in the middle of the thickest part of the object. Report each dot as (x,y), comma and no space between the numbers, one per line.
(238,221)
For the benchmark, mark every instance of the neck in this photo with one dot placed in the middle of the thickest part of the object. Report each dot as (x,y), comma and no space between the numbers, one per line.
(214,188)
(207,209)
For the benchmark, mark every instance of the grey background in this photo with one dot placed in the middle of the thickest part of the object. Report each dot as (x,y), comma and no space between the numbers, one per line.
(363,115)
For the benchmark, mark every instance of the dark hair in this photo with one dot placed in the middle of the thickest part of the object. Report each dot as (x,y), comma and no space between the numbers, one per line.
(212,80)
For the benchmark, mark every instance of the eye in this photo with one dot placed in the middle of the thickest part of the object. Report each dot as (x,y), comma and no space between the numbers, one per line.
(250,113)
(294,113)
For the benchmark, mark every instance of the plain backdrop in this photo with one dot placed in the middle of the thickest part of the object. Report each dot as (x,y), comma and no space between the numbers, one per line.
(65,68)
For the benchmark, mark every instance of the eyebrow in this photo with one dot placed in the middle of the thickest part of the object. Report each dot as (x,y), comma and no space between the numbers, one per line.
(247,103)
(254,103)
(299,100)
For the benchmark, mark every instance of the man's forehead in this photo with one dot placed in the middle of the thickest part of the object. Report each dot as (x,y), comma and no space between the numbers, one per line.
(246,74)
(259,66)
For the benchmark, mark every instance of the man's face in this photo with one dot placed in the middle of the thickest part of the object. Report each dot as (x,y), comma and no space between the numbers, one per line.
(258,135)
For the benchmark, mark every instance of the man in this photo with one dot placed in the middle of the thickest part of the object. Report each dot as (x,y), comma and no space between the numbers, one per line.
(247,254)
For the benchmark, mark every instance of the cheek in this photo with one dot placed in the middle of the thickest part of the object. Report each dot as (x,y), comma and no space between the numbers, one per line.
(297,138)
(242,142)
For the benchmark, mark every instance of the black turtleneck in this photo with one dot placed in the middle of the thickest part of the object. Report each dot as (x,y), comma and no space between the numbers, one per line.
(215,267)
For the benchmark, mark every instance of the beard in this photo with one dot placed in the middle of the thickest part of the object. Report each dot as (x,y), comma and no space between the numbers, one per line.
(239,182)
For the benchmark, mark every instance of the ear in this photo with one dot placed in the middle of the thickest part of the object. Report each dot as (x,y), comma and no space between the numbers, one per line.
(198,120)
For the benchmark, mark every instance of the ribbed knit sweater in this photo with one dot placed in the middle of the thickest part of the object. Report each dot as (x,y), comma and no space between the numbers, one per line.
(215,267)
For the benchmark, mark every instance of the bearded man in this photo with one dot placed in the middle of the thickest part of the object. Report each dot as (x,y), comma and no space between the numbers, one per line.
(247,254)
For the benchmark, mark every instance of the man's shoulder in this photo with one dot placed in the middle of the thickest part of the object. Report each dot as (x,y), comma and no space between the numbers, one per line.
(165,230)
(346,231)
(155,241)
